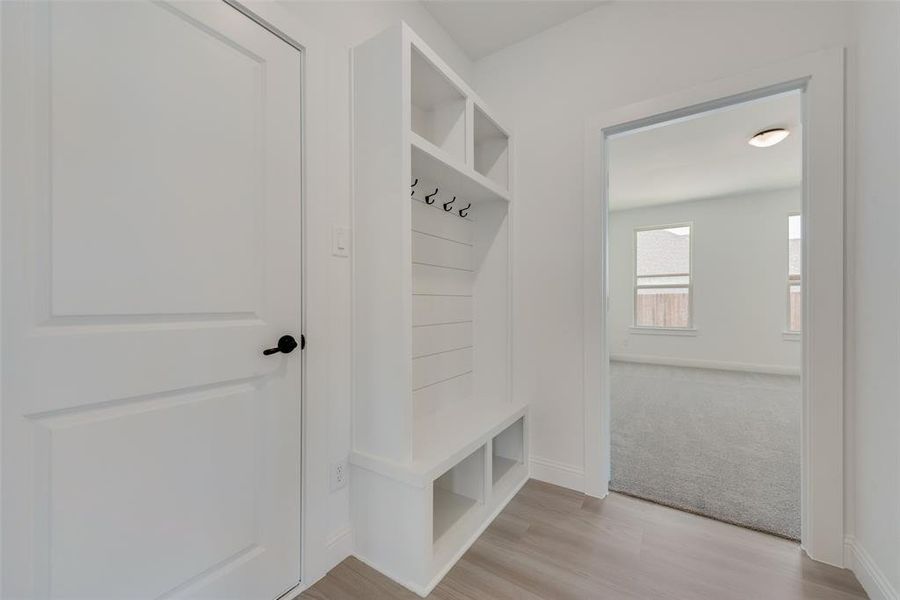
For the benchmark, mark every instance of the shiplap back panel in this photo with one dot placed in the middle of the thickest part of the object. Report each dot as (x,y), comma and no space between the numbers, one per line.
(434,221)
(433,339)
(438,368)
(438,281)
(435,310)
(428,249)
(442,313)
(429,400)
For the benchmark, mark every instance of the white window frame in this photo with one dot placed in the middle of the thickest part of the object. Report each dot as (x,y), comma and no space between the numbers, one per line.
(690,285)
(793,334)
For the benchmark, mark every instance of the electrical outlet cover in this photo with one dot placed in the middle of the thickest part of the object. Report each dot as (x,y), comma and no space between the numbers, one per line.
(340,473)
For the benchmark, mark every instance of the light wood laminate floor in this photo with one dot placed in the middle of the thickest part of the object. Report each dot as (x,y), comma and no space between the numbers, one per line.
(556,544)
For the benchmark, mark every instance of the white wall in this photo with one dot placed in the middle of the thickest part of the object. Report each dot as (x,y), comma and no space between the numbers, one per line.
(328,30)
(549,85)
(874,388)
(621,53)
(348,23)
(739,268)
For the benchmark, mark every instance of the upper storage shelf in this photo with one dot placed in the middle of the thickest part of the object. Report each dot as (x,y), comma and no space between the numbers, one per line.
(435,165)
(438,108)
(454,141)
(491,149)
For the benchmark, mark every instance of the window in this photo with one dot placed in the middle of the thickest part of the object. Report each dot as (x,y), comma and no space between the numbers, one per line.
(662,277)
(794,286)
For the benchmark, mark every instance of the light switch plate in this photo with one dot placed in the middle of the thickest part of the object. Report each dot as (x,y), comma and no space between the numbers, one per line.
(340,241)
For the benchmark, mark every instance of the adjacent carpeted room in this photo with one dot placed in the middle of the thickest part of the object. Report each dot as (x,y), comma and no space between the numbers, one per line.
(723,444)
(705,312)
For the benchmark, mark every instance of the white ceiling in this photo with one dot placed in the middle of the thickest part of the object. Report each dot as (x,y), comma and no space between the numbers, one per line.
(706,155)
(481,27)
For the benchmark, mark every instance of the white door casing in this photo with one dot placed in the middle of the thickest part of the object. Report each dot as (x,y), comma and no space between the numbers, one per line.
(820,77)
(150,252)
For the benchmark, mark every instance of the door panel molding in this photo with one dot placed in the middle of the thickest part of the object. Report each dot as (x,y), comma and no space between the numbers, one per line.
(141,425)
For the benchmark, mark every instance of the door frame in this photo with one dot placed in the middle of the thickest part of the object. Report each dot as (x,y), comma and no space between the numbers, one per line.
(243,7)
(820,78)
(321,547)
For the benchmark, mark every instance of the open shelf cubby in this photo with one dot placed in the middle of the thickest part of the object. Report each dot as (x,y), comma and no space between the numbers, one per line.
(457,492)
(438,108)
(491,149)
(508,451)
(431,312)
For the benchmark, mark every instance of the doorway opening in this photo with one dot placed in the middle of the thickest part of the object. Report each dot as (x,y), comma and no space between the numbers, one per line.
(704,315)
(819,77)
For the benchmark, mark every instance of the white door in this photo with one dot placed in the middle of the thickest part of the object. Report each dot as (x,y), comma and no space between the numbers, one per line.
(150,253)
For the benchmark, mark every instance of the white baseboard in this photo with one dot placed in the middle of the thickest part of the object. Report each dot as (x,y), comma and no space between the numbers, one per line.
(411,586)
(337,547)
(557,473)
(699,363)
(872,578)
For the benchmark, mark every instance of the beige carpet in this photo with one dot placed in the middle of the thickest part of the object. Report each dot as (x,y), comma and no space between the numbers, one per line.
(718,443)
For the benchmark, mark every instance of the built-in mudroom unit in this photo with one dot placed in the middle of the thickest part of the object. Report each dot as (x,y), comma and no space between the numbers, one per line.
(439,440)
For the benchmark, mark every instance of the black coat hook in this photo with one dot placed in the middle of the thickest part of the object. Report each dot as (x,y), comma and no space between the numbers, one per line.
(429,199)
(462,211)
(414,183)
(447,204)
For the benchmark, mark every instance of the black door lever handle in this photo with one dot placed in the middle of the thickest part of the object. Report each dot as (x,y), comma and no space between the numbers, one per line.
(286,344)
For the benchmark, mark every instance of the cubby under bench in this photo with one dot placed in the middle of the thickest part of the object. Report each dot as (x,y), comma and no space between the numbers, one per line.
(414,522)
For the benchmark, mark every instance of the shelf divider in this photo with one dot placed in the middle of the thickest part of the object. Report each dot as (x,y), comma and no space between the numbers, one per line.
(432,163)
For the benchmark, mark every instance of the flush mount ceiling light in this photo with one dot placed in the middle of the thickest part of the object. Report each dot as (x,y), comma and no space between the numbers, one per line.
(768,137)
